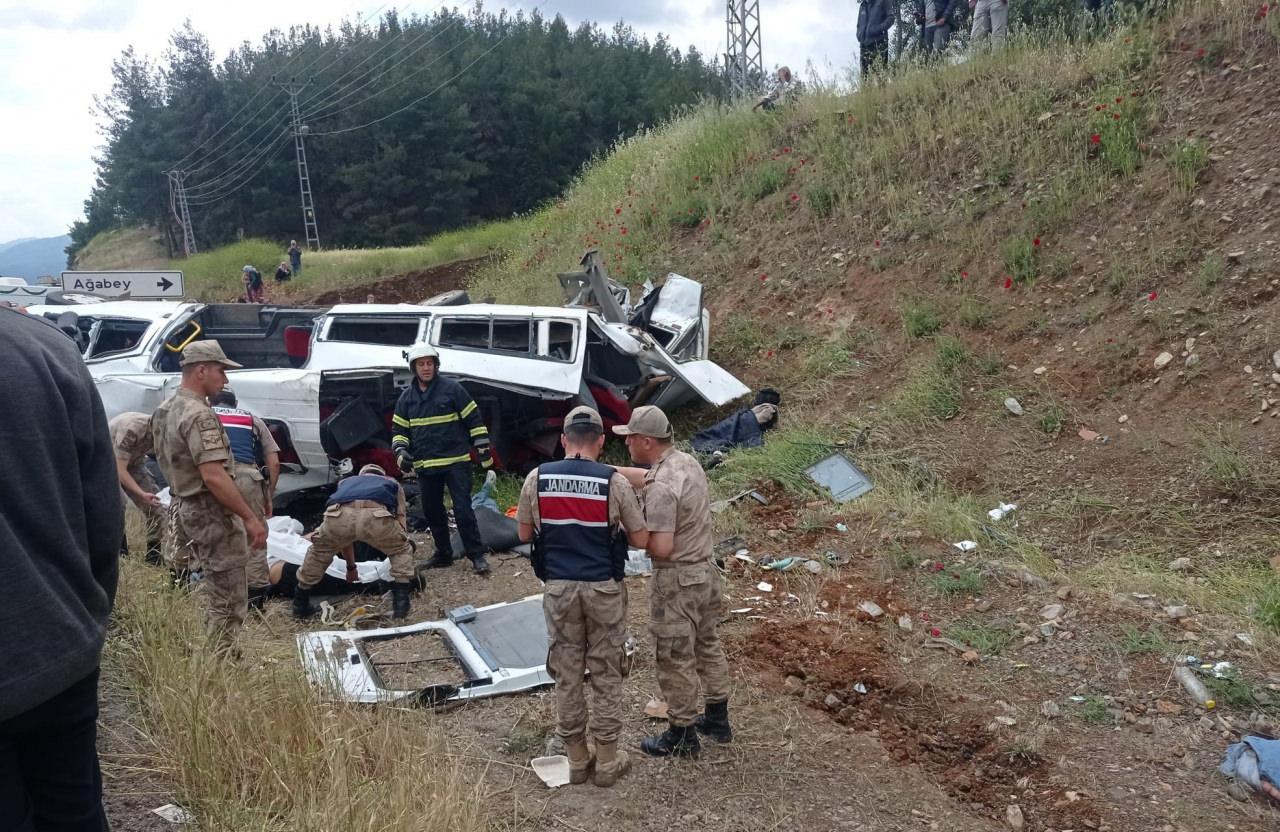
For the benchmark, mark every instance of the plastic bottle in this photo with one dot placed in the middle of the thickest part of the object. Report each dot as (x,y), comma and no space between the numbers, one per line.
(1193,686)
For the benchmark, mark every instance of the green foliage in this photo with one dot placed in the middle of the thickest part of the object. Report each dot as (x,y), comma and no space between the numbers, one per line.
(1020,259)
(952,354)
(989,639)
(1149,640)
(956,580)
(1117,125)
(1268,608)
(767,179)
(1230,468)
(417,124)
(687,214)
(822,200)
(1051,419)
(1188,159)
(921,318)
(1211,270)
(974,312)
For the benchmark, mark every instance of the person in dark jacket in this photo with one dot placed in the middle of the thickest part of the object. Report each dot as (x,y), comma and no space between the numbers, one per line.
(875,19)
(934,19)
(283,273)
(295,257)
(60,528)
(435,425)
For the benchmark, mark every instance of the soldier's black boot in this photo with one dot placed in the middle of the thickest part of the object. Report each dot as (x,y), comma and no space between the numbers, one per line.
(258,596)
(440,560)
(673,742)
(400,599)
(302,603)
(479,564)
(714,722)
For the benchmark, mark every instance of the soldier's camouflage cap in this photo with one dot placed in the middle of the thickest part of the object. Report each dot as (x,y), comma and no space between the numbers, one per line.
(646,421)
(205,352)
(583,415)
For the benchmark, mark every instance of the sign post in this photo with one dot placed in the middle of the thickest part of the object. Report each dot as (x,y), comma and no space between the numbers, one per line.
(132,285)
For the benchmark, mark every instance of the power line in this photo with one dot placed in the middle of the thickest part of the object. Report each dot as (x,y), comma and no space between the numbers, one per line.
(178,164)
(223,191)
(394,84)
(233,171)
(363,85)
(419,100)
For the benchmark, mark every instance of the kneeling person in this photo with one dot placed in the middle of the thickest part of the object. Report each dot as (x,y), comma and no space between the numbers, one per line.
(575,507)
(369,507)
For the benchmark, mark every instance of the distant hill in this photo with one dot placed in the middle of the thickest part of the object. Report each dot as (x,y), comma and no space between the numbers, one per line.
(33,257)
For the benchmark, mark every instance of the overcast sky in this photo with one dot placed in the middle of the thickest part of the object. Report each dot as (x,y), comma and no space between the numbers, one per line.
(55,55)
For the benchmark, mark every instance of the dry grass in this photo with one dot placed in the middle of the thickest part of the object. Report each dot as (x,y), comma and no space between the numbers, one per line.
(247,745)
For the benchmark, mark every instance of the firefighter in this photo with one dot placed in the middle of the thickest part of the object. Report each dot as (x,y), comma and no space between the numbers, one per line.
(435,426)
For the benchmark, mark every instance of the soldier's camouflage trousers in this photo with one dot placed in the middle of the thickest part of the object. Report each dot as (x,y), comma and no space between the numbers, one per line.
(203,535)
(344,525)
(587,623)
(253,488)
(153,517)
(685,606)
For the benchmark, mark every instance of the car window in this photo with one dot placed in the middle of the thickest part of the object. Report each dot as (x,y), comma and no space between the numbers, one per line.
(561,337)
(467,333)
(391,332)
(115,335)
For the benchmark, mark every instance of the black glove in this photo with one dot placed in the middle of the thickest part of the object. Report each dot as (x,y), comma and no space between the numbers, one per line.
(485,455)
(405,462)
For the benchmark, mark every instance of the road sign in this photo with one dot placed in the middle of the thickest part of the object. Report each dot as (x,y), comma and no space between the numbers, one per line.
(134,285)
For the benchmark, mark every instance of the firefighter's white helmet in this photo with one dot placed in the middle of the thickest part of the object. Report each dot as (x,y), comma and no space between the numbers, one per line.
(422,351)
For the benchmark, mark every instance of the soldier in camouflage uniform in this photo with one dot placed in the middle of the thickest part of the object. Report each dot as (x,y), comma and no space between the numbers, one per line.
(369,507)
(686,597)
(575,505)
(212,519)
(131,439)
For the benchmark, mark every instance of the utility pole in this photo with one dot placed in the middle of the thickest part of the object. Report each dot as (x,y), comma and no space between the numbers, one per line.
(744,64)
(181,212)
(292,87)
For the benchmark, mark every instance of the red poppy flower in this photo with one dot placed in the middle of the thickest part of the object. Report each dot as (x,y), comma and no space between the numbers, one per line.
(617,211)
(1036,242)
(1116,116)
(935,632)
(829,311)
(1200,52)
(769,354)
(795,197)
(1096,139)
(849,120)
(791,171)
(622,230)
(763,278)
(1008,283)
(1120,100)
(964,275)
(1024,206)
(786,150)
(1153,296)
(697,178)
(877,244)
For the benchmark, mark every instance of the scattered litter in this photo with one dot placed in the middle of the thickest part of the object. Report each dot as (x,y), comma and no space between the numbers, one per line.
(1000,511)
(1178,612)
(835,558)
(1040,370)
(638,563)
(1245,639)
(328,615)
(1013,817)
(841,477)
(1122,418)
(1193,686)
(1013,406)
(904,623)
(1006,721)
(742,610)
(860,688)
(1254,762)
(720,505)
(1089,435)
(554,771)
(1049,612)
(1078,699)
(764,586)
(966,546)
(173,813)
(937,641)
(841,527)
(744,556)
(871,608)
(655,708)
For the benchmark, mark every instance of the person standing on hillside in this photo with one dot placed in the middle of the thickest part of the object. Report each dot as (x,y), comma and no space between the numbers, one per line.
(933,17)
(295,257)
(257,470)
(252,279)
(875,19)
(990,20)
(208,517)
(583,514)
(131,440)
(434,427)
(686,597)
(60,529)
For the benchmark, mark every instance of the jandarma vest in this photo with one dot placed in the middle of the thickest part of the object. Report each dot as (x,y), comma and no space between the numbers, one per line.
(573,504)
(245,447)
(367,487)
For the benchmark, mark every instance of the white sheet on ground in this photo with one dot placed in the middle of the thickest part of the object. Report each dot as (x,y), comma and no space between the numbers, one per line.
(286,543)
